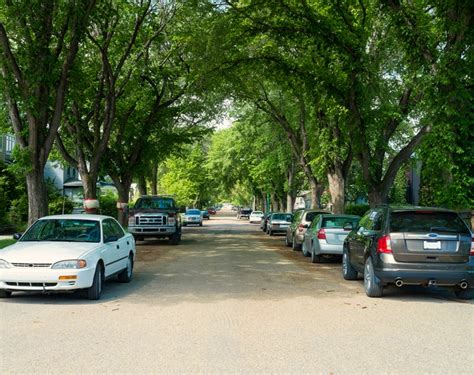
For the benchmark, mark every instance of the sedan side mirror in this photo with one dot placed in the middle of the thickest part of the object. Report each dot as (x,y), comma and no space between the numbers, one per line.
(17,236)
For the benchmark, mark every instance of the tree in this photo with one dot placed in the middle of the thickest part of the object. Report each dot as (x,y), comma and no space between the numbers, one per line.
(39,41)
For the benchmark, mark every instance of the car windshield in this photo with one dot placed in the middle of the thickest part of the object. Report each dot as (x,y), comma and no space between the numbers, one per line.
(155,203)
(286,217)
(65,230)
(427,222)
(339,222)
(311,215)
(193,212)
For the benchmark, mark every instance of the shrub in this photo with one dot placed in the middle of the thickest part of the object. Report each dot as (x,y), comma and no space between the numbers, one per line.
(108,205)
(356,209)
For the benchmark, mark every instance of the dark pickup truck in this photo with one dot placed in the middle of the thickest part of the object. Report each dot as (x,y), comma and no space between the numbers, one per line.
(244,213)
(155,216)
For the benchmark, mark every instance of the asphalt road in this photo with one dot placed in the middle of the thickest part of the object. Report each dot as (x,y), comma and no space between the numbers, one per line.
(231,299)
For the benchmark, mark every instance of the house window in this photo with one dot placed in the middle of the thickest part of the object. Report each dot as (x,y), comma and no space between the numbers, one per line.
(9,144)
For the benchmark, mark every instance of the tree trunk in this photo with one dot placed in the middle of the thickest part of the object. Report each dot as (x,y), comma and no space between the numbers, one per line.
(89,184)
(290,198)
(123,189)
(376,196)
(316,191)
(264,202)
(154,179)
(336,189)
(37,194)
(142,185)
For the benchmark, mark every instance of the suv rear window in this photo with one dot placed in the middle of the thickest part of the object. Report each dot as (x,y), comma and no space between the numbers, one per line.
(155,203)
(427,222)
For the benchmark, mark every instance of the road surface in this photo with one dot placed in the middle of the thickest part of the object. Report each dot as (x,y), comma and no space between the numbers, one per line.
(231,299)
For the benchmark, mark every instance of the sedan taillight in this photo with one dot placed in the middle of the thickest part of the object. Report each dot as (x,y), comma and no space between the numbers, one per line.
(321,234)
(383,245)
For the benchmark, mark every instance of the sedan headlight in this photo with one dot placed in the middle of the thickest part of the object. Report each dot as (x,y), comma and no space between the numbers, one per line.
(70,264)
(4,264)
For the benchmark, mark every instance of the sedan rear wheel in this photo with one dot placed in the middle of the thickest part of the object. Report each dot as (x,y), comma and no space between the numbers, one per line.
(371,285)
(295,246)
(287,242)
(305,252)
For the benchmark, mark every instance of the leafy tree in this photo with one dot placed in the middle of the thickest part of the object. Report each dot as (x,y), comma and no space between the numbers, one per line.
(39,41)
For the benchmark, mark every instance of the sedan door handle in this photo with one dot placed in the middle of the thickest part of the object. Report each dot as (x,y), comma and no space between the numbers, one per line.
(118,246)
(128,243)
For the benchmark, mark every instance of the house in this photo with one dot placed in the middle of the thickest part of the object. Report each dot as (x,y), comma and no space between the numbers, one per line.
(7,142)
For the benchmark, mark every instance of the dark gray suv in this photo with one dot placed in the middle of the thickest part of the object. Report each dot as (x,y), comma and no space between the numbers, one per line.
(410,246)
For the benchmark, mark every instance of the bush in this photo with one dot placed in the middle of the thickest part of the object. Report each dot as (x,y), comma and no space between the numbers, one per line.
(108,205)
(356,209)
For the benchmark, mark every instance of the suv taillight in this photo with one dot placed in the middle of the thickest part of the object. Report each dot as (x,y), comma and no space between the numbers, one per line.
(321,234)
(301,227)
(383,245)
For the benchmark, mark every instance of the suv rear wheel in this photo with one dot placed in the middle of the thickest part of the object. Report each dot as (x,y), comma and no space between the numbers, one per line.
(371,285)
(348,272)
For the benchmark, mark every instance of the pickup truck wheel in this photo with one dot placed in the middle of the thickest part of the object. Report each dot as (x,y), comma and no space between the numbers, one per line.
(175,238)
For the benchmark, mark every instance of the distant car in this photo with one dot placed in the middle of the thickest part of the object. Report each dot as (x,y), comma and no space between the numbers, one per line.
(255,216)
(278,222)
(68,252)
(264,221)
(326,235)
(244,213)
(410,246)
(192,216)
(302,219)
(211,211)
(205,214)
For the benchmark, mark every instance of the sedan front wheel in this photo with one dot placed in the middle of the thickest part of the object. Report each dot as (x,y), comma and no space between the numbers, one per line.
(94,292)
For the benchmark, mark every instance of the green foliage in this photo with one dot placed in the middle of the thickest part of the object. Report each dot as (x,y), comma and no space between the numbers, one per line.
(5,243)
(108,204)
(356,209)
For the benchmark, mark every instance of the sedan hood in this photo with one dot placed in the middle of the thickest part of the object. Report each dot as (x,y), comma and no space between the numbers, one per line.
(45,251)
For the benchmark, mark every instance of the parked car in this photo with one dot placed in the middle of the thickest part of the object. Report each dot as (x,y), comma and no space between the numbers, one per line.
(192,216)
(205,214)
(410,246)
(301,221)
(155,216)
(212,210)
(256,216)
(326,235)
(264,221)
(244,213)
(278,222)
(67,252)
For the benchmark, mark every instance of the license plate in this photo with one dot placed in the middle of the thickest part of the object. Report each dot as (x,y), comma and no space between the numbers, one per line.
(429,245)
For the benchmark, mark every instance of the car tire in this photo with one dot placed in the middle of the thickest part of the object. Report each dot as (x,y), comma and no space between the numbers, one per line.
(315,258)
(348,271)
(294,245)
(175,238)
(126,275)
(287,243)
(184,224)
(371,285)
(305,252)
(200,224)
(95,290)
(270,232)
(464,293)
(137,238)
(5,294)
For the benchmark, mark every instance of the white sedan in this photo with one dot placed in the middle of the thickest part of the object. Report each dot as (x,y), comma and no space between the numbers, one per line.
(67,252)
(255,216)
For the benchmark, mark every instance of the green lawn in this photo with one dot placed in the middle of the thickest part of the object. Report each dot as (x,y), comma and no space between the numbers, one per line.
(5,243)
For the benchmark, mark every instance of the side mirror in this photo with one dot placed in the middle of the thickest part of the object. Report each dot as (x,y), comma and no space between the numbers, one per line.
(306,226)
(17,236)
(111,239)
(348,227)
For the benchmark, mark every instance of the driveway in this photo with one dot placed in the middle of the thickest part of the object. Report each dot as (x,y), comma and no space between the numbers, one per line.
(231,299)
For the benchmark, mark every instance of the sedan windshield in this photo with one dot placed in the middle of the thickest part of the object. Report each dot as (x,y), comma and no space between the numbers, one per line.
(66,230)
